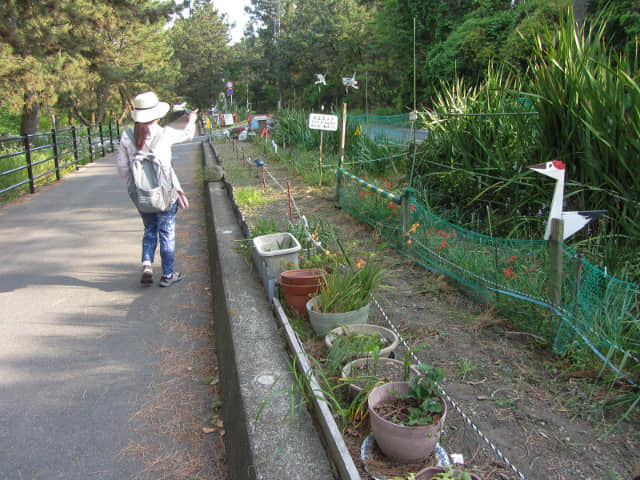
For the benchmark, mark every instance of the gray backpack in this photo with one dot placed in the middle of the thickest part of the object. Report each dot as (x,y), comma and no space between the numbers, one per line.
(151,188)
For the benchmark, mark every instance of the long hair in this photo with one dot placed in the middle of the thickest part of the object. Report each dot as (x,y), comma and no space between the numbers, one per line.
(140,133)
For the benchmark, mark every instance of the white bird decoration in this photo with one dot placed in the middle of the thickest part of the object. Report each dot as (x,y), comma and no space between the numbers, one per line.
(573,221)
(350,82)
(321,79)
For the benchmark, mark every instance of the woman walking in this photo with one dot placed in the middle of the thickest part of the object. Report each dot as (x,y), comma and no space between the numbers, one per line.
(148,135)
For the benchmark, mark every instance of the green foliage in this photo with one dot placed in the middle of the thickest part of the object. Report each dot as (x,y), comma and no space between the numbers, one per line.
(345,348)
(424,391)
(9,123)
(247,196)
(452,474)
(344,291)
(475,154)
(200,46)
(71,54)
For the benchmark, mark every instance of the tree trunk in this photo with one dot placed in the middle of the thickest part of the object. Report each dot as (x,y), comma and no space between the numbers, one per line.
(30,123)
(580,10)
(126,105)
(103,98)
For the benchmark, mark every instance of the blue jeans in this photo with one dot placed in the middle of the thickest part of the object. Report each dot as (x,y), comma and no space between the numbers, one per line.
(160,225)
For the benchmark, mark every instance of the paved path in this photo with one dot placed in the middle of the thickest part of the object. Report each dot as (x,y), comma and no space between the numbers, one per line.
(101,378)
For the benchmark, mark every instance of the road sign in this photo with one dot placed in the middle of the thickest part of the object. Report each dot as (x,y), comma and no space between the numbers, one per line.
(318,121)
(229,91)
(229,85)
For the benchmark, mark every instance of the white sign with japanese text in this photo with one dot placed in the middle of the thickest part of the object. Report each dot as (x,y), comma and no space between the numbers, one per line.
(318,121)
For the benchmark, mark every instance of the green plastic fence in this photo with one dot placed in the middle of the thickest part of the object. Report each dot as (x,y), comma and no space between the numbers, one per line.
(394,128)
(594,309)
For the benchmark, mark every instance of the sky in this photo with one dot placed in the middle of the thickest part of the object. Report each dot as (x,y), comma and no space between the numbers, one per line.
(235,11)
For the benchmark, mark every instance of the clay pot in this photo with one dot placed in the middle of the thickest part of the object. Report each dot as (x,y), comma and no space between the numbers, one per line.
(298,286)
(405,444)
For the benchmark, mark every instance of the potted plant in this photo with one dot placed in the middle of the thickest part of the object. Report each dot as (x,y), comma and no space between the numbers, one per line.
(363,372)
(407,417)
(343,298)
(384,339)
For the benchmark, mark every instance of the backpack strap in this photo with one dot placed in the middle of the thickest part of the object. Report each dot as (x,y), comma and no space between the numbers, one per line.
(154,141)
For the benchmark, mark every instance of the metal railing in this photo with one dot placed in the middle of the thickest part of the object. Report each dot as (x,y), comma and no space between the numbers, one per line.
(33,159)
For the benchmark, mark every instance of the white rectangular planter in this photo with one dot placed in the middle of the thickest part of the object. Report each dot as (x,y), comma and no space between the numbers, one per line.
(275,253)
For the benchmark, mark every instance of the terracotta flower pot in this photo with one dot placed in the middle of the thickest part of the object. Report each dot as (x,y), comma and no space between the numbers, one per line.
(405,444)
(298,286)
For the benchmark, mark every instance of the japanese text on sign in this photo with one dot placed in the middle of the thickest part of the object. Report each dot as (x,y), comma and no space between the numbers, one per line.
(319,121)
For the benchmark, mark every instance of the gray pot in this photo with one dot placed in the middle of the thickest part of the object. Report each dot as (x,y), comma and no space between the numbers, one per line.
(402,443)
(366,329)
(323,323)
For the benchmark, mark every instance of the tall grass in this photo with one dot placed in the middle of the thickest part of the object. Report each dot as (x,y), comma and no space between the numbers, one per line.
(480,141)
(579,105)
(587,99)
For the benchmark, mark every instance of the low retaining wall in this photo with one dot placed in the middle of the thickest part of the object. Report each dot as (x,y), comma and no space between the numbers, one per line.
(264,438)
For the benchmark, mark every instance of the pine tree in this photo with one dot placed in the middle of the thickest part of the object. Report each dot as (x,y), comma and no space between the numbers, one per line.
(54,49)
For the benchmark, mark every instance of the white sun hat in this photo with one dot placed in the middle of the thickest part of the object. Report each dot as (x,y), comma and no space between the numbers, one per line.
(148,108)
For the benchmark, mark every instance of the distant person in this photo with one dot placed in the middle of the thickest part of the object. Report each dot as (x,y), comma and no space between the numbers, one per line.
(147,111)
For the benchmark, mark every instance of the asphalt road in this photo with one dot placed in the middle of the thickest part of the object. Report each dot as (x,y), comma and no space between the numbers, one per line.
(83,346)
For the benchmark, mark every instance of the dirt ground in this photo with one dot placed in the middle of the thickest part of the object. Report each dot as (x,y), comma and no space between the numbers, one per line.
(516,410)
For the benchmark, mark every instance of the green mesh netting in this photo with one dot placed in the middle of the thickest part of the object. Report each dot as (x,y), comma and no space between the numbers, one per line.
(395,128)
(594,309)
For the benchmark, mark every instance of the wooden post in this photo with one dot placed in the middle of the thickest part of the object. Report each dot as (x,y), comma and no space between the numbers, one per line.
(556,257)
(320,161)
(343,133)
(405,212)
(290,202)
(264,182)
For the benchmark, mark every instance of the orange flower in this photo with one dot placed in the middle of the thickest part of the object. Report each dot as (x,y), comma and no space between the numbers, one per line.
(512,259)
(510,273)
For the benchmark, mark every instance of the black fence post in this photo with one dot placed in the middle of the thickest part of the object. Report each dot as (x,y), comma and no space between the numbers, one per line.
(76,155)
(110,135)
(56,154)
(90,144)
(101,138)
(27,152)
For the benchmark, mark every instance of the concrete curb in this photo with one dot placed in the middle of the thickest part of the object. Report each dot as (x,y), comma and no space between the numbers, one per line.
(266,436)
